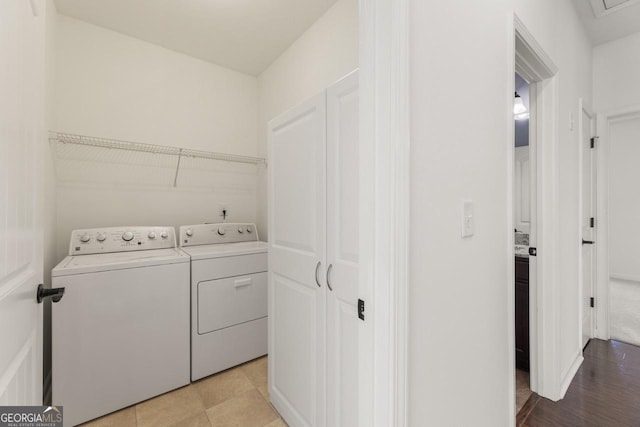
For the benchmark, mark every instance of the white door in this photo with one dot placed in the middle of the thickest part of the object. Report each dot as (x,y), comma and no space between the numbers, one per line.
(522,187)
(588,228)
(297,350)
(342,252)
(22,137)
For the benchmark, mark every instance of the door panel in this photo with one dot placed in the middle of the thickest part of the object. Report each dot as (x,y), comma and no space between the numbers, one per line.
(22,137)
(296,247)
(588,233)
(342,251)
(522,187)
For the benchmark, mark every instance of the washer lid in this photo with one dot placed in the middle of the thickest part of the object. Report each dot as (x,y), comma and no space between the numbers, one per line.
(225,250)
(77,264)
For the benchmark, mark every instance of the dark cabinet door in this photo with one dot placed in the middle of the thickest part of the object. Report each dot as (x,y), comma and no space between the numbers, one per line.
(522,313)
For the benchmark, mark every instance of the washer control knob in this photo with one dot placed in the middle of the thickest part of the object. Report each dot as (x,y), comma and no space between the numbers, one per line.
(152,235)
(84,238)
(240,230)
(101,237)
(249,230)
(189,232)
(221,231)
(127,236)
(164,234)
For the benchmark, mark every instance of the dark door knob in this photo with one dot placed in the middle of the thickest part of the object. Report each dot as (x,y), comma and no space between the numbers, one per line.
(588,242)
(55,294)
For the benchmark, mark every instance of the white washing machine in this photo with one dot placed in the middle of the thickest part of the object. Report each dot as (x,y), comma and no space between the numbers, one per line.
(228,295)
(121,333)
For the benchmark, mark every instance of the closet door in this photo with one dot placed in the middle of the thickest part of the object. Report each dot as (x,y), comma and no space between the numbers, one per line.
(342,252)
(297,144)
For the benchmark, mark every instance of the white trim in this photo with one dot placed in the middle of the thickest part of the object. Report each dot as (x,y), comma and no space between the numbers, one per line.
(384,207)
(533,60)
(602,216)
(533,241)
(583,108)
(570,372)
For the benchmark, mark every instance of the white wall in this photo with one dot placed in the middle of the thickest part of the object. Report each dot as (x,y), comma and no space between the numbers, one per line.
(459,345)
(327,51)
(616,67)
(114,86)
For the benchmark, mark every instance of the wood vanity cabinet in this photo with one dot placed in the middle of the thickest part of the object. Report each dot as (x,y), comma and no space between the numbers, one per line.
(522,313)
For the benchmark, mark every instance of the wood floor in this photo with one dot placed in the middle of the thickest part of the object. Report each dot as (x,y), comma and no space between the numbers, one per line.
(604,393)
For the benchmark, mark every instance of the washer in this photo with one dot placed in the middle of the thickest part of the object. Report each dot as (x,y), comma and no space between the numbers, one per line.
(228,295)
(121,332)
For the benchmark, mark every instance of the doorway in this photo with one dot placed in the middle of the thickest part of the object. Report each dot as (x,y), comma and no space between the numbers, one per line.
(536,68)
(522,228)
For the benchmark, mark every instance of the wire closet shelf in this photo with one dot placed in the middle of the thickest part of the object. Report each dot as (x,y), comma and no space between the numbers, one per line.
(92,141)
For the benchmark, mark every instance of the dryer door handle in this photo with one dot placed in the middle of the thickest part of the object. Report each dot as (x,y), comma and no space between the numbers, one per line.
(239,283)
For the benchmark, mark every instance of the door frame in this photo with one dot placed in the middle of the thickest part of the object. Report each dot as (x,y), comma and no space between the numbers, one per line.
(384,196)
(584,108)
(536,66)
(603,121)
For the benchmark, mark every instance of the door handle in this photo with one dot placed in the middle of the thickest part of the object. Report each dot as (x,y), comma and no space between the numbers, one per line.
(55,294)
(588,242)
(329,275)
(317,268)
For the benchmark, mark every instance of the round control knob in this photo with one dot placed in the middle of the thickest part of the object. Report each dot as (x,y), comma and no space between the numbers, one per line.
(101,237)
(85,238)
(249,230)
(189,232)
(152,235)
(240,230)
(127,236)
(164,234)
(221,231)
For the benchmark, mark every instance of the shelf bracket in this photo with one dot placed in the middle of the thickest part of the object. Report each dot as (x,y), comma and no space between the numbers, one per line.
(175,179)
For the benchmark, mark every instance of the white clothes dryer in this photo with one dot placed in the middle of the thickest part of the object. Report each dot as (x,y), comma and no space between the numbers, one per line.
(121,333)
(228,295)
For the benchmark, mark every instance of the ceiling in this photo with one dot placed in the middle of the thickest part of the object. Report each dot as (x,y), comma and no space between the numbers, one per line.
(244,35)
(608,20)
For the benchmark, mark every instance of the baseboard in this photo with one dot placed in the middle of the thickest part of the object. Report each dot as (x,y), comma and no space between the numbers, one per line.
(568,375)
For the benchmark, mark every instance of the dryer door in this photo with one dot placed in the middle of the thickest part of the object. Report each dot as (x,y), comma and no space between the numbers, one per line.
(230,301)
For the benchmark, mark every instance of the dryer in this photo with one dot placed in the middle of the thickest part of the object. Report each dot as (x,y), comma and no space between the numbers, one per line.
(228,295)
(121,333)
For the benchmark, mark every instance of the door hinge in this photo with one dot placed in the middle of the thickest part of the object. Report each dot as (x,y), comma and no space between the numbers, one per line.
(592,301)
(533,251)
(360,309)
(593,141)
(592,222)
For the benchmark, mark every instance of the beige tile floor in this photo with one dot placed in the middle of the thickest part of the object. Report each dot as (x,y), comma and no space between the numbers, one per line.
(237,397)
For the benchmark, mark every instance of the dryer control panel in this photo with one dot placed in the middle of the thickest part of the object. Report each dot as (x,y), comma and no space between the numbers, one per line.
(121,239)
(211,234)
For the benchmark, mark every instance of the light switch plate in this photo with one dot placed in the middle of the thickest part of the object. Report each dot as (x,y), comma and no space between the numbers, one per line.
(467,218)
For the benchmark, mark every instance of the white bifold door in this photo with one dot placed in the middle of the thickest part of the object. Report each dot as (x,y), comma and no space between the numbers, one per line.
(313,259)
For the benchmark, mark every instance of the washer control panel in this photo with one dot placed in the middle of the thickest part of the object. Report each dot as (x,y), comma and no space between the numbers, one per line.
(211,234)
(121,239)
